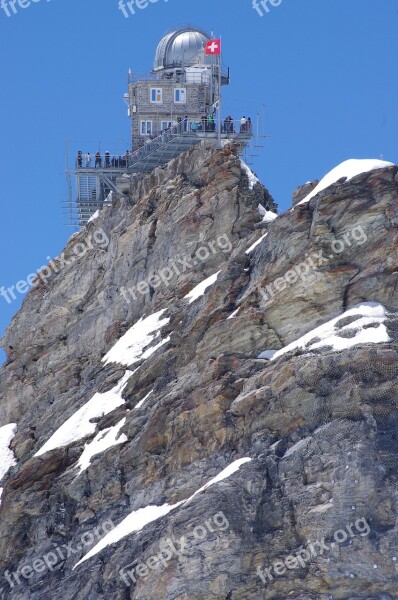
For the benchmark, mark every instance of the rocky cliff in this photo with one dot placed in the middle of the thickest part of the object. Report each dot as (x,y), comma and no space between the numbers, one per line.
(204,397)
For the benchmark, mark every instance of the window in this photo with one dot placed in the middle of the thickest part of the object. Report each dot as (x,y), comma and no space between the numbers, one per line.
(180,96)
(165,125)
(156,95)
(146,127)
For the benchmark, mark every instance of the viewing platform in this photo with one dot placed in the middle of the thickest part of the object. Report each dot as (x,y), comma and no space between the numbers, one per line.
(97,176)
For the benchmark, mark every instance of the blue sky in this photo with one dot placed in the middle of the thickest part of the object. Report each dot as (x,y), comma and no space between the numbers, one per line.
(321,73)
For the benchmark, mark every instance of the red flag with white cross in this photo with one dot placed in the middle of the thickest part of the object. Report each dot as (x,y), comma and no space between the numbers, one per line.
(213,47)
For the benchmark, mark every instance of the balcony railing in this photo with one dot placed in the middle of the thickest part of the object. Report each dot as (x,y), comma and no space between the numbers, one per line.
(187,77)
(190,128)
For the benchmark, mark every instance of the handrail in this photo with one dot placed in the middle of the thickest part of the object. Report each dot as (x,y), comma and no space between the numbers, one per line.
(182,77)
(184,128)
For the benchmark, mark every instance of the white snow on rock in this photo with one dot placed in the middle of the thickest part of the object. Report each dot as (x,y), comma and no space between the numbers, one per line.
(252,178)
(349,169)
(368,328)
(131,346)
(200,289)
(267,215)
(256,243)
(139,518)
(300,444)
(268,354)
(233,315)
(105,439)
(94,216)
(225,473)
(141,402)
(7,458)
(79,424)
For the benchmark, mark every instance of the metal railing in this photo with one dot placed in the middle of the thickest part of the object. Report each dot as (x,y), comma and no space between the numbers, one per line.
(189,76)
(199,127)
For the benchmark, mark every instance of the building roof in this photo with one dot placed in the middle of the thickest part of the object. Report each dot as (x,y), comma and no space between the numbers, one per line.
(182,48)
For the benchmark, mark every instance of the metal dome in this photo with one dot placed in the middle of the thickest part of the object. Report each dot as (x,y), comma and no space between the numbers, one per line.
(184,47)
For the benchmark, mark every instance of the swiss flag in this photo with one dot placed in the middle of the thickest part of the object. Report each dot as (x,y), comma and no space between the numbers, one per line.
(213,47)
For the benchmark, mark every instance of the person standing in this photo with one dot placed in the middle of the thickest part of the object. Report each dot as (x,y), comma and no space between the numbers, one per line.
(249,125)
(79,159)
(243,124)
(98,160)
(211,125)
(107,160)
(88,160)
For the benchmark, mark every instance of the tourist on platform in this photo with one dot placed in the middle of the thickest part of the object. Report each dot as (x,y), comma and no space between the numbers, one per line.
(107,160)
(228,125)
(249,125)
(98,160)
(243,124)
(185,123)
(88,160)
(79,159)
(211,126)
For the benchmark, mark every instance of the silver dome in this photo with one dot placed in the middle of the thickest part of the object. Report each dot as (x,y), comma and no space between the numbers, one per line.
(184,47)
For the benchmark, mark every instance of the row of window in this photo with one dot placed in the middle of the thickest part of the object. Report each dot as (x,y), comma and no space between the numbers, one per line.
(180,95)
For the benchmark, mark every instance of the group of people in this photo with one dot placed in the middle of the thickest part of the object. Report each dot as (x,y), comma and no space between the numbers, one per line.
(182,125)
(118,162)
(246,125)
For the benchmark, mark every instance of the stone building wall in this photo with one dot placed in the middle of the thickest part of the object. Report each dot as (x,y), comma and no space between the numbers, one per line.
(197,101)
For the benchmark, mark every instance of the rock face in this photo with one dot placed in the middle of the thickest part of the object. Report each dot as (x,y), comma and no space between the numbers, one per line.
(304,441)
(303,190)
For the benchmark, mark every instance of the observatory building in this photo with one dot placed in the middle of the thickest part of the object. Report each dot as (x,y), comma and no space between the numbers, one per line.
(171,109)
(184,83)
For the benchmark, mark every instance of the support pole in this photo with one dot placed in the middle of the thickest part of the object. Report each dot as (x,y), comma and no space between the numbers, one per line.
(219,98)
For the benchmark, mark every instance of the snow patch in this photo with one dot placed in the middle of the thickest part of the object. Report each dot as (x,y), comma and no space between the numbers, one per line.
(269,216)
(233,315)
(268,354)
(200,289)
(301,444)
(141,402)
(349,169)
(252,178)
(79,424)
(129,349)
(139,518)
(7,458)
(94,216)
(104,440)
(368,328)
(256,243)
